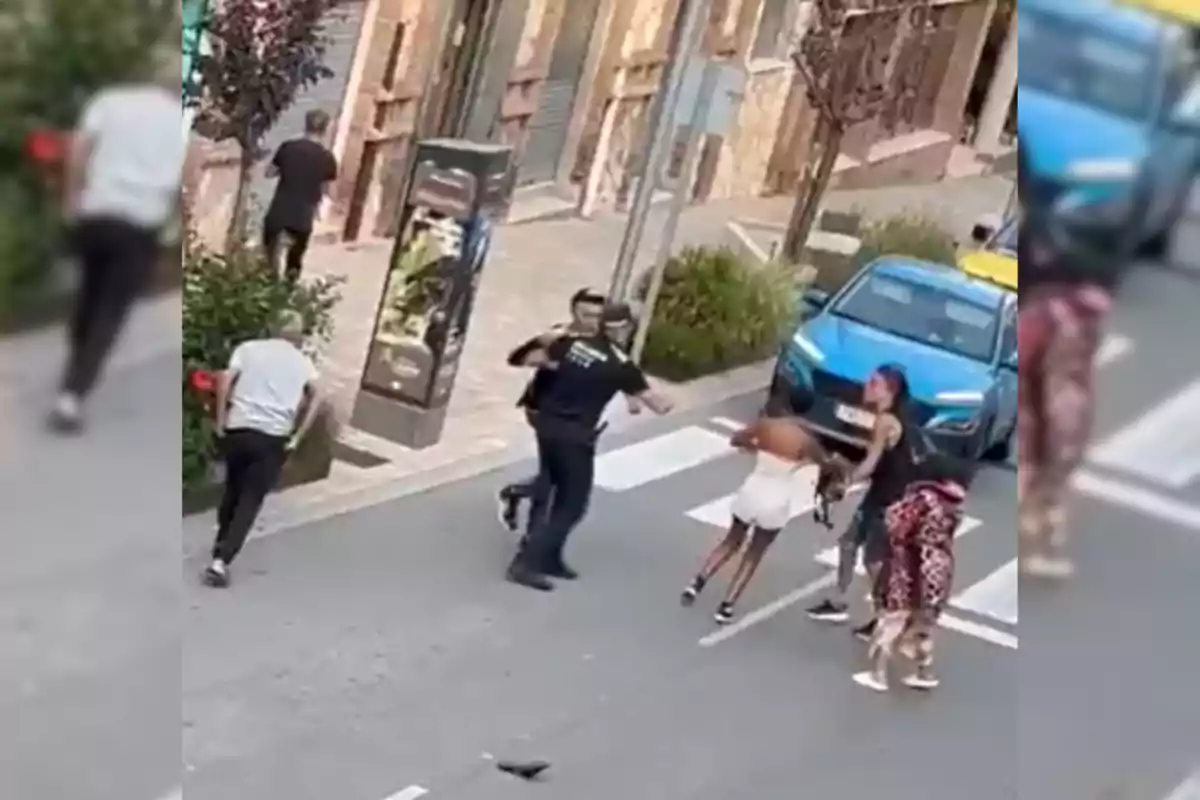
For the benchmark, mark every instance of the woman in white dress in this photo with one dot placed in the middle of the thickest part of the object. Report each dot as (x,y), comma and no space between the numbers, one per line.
(763,505)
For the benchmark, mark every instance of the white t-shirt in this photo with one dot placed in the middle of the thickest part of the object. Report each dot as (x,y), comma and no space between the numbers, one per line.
(136,168)
(270,378)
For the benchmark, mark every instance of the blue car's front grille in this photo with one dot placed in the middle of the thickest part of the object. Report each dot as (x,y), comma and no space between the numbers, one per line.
(844,390)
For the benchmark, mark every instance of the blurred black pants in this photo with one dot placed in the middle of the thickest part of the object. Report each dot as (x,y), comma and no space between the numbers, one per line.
(253,462)
(116,261)
(297,246)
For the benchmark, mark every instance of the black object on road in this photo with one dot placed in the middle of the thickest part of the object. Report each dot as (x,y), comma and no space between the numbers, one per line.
(525,770)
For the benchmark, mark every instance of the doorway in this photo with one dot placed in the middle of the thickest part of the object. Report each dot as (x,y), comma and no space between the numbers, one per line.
(460,57)
(546,142)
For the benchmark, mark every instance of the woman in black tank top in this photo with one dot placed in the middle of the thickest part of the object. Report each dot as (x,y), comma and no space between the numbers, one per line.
(889,466)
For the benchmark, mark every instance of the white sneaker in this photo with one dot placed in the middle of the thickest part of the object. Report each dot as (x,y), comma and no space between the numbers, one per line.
(870,680)
(67,414)
(1047,567)
(925,681)
(217,573)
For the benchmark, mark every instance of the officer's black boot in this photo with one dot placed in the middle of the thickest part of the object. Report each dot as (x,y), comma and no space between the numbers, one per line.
(520,574)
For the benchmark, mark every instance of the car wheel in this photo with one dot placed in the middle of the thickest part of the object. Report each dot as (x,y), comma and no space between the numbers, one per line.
(999,452)
(776,404)
(1157,247)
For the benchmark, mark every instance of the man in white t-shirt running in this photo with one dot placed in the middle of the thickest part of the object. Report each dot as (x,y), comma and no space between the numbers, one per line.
(124,175)
(266,402)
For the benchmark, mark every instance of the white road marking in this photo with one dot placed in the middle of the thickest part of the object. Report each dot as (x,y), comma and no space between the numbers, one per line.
(996,596)
(1134,498)
(411,793)
(982,632)
(1188,790)
(174,795)
(1114,348)
(829,556)
(657,458)
(1163,446)
(727,423)
(763,614)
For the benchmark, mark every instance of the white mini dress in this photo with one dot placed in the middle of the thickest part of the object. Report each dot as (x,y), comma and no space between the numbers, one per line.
(765,499)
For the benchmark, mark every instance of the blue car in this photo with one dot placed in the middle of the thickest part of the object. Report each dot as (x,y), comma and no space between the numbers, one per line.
(1095,89)
(956,337)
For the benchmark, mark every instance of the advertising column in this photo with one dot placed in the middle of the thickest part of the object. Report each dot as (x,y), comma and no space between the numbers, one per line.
(456,192)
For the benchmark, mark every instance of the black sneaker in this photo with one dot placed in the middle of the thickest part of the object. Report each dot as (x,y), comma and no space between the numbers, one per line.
(829,611)
(508,509)
(692,591)
(866,632)
(724,614)
(529,579)
(563,572)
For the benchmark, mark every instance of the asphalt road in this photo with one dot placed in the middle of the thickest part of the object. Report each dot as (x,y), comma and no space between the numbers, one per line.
(1108,664)
(378,655)
(89,582)
(379,652)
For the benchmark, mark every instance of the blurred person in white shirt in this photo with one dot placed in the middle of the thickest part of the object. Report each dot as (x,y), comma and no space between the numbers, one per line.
(124,177)
(266,402)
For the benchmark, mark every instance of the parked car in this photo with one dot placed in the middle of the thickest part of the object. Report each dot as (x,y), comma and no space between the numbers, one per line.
(995,256)
(1096,85)
(956,337)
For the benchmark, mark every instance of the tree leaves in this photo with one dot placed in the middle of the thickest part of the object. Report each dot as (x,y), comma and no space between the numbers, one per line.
(262,54)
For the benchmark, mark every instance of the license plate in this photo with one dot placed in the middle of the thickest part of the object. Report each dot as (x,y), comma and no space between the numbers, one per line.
(855,416)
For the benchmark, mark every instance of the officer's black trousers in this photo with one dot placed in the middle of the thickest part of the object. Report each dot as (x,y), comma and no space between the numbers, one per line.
(568,466)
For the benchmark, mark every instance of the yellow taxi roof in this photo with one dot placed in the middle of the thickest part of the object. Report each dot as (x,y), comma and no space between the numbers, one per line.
(998,268)
(1185,11)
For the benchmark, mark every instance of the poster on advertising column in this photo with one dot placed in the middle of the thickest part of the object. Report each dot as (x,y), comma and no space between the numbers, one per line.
(456,192)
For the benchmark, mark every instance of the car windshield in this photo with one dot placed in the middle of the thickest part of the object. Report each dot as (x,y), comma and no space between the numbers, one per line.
(1006,240)
(922,314)
(1085,66)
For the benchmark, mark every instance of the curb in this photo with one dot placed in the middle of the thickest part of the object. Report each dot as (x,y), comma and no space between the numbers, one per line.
(320,506)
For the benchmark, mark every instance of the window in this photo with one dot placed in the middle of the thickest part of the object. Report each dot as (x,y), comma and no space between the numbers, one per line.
(922,313)
(1086,66)
(771,38)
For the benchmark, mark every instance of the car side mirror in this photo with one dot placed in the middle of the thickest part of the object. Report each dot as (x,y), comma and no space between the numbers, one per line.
(1012,361)
(815,299)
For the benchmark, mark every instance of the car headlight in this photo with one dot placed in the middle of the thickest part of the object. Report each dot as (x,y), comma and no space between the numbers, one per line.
(1111,169)
(806,346)
(961,398)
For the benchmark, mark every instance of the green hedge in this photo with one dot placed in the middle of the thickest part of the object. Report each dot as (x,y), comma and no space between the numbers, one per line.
(716,312)
(227,301)
(904,234)
(910,235)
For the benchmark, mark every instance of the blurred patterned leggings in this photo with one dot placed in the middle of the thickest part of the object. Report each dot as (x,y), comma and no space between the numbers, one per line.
(1058,340)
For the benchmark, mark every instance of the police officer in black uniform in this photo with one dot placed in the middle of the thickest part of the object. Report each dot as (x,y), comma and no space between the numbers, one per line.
(587,308)
(590,372)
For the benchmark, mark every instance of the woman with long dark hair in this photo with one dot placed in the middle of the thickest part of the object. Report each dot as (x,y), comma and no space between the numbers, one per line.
(889,464)
(1070,260)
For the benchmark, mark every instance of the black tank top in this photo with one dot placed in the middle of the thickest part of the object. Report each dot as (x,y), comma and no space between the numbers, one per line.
(894,472)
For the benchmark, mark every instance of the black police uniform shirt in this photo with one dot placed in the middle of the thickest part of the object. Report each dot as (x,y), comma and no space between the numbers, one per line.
(542,378)
(590,372)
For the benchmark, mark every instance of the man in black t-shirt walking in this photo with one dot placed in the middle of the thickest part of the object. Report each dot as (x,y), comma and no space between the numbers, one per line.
(590,372)
(305,168)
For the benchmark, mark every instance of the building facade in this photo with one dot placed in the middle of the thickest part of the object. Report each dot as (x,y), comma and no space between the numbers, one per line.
(569,83)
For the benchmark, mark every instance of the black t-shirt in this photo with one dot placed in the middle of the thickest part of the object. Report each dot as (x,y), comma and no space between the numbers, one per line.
(304,168)
(591,371)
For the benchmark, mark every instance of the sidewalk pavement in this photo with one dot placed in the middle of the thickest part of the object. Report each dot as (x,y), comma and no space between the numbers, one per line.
(532,270)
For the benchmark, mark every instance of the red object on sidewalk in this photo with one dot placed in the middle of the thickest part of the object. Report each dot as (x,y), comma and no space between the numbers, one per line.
(203,381)
(47,147)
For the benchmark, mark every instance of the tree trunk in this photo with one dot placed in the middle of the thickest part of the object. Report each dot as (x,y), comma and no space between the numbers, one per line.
(236,237)
(811,190)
